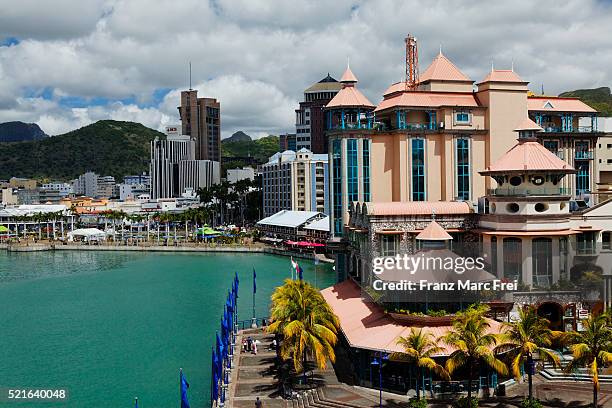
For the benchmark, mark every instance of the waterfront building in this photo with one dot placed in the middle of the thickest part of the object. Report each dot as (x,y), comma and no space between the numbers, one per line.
(429,141)
(310,117)
(201,120)
(27,196)
(296,226)
(234,175)
(297,181)
(9,197)
(174,167)
(287,141)
(86,184)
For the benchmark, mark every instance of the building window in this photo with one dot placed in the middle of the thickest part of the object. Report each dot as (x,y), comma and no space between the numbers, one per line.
(463,169)
(352,171)
(552,145)
(582,178)
(605,240)
(462,118)
(418,170)
(541,261)
(337,185)
(389,244)
(366,169)
(513,258)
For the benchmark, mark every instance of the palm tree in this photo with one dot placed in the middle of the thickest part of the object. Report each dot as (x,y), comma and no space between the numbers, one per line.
(591,348)
(306,322)
(472,344)
(524,338)
(419,348)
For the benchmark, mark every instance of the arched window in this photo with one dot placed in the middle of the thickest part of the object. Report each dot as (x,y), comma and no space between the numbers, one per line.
(513,258)
(541,261)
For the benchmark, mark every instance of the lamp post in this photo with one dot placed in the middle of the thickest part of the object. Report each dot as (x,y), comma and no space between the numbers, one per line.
(378,361)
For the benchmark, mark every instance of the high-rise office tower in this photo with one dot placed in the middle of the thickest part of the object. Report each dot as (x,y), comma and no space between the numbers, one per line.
(201,120)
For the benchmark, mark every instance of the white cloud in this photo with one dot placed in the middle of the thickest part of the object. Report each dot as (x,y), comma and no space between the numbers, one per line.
(257,56)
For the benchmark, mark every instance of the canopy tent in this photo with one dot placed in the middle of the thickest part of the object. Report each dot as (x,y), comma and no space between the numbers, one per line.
(88,234)
(304,244)
(207,231)
(3,228)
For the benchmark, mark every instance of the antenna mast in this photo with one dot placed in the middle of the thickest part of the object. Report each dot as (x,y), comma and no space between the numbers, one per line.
(412,63)
(190,76)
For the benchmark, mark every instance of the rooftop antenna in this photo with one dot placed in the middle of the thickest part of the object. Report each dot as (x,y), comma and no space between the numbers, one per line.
(190,88)
(512,66)
(492,66)
(412,63)
(440,48)
(542,88)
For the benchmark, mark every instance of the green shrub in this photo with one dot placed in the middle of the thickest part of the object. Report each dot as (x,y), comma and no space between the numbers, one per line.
(417,403)
(531,403)
(463,402)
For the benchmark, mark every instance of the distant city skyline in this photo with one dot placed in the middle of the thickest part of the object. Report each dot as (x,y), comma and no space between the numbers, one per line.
(66,64)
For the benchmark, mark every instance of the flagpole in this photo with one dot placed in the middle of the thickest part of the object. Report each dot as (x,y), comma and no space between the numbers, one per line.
(254,320)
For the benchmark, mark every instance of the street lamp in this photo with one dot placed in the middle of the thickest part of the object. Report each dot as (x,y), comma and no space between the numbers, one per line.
(378,361)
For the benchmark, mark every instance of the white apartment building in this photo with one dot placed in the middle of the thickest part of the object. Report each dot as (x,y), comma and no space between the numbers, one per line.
(174,168)
(296,181)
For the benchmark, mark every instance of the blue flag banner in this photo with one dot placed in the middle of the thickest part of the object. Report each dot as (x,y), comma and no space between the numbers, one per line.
(214,379)
(184,387)
(254,281)
(135,402)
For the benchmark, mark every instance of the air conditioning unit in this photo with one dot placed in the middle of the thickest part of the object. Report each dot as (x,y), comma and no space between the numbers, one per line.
(441,125)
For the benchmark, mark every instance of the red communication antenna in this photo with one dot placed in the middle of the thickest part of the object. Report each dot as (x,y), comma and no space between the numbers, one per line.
(412,63)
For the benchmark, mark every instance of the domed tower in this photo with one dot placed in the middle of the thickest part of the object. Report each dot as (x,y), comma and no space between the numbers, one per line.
(527,223)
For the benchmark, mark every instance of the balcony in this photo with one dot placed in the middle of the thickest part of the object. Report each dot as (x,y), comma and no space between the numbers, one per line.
(521,192)
(583,155)
(418,126)
(586,248)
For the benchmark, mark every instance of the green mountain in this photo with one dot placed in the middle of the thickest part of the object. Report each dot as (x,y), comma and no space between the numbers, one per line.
(598,98)
(245,152)
(107,147)
(19,132)
(238,136)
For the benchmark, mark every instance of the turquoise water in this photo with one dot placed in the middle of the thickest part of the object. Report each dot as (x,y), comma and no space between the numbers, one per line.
(110,326)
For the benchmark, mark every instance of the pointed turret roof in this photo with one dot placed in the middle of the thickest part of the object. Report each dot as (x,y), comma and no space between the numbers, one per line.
(434,232)
(442,69)
(528,124)
(528,155)
(348,75)
(349,95)
(503,75)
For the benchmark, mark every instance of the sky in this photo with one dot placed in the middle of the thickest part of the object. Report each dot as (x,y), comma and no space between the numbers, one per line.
(67,63)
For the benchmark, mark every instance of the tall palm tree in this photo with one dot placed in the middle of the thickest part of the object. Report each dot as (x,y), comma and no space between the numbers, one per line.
(308,325)
(591,348)
(524,338)
(472,343)
(419,349)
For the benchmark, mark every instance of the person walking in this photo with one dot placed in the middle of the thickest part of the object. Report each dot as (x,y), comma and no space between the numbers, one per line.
(258,403)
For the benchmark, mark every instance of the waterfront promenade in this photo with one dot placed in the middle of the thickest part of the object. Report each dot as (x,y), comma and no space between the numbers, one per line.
(258,376)
(145,247)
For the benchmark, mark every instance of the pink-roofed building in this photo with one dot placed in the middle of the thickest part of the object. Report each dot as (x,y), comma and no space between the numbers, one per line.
(429,142)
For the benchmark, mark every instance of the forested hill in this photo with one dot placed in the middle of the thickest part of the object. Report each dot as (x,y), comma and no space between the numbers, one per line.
(599,99)
(107,147)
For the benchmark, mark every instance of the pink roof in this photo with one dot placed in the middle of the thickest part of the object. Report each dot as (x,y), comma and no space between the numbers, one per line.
(351,97)
(528,124)
(367,326)
(428,99)
(557,104)
(434,232)
(348,76)
(528,156)
(503,75)
(418,208)
(442,69)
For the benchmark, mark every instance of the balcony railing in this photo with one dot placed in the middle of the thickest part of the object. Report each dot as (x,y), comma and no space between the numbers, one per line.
(418,126)
(586,248)
(582,155)
(510,191)
(559,129)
